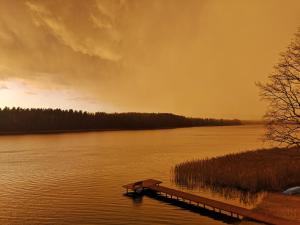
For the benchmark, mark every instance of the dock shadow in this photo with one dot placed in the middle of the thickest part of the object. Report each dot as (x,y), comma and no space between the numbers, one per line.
(227,219)
(137,199)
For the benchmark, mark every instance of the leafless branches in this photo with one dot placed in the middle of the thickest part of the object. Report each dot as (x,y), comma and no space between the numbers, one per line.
(282,93)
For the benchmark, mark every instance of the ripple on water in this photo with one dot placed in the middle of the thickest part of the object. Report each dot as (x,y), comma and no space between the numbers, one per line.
(76,178)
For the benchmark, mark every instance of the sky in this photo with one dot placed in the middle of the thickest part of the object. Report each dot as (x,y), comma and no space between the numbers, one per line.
(197,58)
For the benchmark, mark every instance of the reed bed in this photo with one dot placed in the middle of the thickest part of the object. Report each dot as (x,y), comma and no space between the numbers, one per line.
(257,171)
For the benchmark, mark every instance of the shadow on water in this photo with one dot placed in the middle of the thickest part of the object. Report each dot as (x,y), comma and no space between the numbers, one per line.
(138,199)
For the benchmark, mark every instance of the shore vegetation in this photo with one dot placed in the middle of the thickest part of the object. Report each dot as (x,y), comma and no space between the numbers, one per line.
(19,120)
(271,170)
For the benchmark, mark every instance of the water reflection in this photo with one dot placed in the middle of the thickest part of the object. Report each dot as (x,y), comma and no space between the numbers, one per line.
(217,216)
(137,199)
(249,199)
(76,178)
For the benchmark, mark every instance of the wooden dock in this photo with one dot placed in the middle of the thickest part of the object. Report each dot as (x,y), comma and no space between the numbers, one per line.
(217,206)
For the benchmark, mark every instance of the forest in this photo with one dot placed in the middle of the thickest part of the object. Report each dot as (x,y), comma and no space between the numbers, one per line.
(19,120)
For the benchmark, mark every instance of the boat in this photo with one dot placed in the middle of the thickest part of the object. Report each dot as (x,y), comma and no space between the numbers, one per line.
(292,191)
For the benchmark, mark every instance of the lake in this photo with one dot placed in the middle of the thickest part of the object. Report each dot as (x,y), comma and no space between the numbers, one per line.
(76,178)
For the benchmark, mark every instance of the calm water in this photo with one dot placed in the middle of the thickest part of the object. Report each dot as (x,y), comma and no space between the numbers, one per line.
(77,178)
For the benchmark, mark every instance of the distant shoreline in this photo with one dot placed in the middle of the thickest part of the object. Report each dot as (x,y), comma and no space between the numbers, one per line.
(101,130)
(49,121)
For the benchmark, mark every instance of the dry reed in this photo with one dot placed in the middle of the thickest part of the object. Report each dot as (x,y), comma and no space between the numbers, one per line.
(253,171)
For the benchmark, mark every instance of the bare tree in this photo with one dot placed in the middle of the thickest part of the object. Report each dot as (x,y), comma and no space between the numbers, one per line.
(282,93)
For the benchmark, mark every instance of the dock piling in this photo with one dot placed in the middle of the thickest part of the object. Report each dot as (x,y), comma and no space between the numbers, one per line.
(154,186)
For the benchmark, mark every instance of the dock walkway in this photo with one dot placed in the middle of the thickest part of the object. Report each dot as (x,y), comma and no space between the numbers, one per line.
(154,185)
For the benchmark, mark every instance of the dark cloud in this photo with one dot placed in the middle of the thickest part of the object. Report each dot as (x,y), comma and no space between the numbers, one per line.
(191,57)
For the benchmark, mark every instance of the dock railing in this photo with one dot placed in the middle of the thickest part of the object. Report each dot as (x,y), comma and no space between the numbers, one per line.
(217,206)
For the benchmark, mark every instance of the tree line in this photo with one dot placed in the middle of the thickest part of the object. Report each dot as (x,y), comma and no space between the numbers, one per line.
(43,120)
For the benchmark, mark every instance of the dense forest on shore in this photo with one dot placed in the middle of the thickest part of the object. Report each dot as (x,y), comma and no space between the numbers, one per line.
(19,120)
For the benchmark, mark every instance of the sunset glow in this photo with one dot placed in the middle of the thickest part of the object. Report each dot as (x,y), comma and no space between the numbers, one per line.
(142,112)
(196,59)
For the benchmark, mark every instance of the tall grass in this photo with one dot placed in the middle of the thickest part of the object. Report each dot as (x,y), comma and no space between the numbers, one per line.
(253,171)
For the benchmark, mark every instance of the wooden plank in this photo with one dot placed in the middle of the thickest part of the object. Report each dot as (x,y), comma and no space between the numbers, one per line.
(144,183)
(153,185)
(224,206)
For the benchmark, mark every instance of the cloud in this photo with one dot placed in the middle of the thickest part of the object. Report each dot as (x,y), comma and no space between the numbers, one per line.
(48,47)
(101,24)
(188,57)
(79,43)
(86,99)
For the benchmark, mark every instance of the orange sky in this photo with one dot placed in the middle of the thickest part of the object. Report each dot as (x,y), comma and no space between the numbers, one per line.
(195,57)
